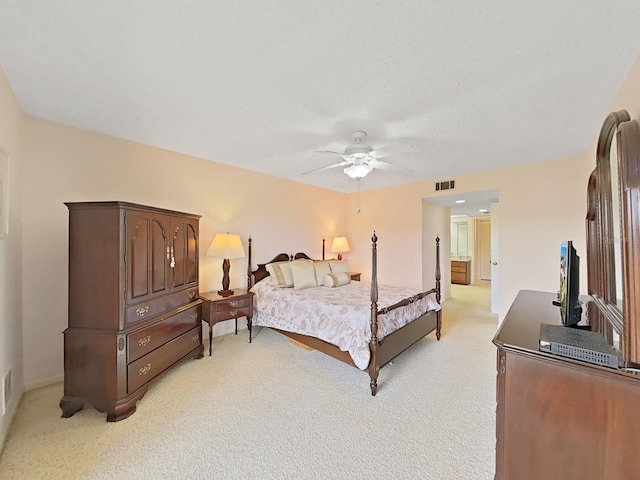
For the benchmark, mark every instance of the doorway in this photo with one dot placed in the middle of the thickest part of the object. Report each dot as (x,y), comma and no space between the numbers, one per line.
(470,238)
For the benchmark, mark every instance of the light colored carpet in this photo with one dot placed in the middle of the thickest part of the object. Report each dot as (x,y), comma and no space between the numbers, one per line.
(271,410)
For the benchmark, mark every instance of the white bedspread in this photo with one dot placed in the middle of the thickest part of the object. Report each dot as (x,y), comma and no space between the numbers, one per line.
(340,316)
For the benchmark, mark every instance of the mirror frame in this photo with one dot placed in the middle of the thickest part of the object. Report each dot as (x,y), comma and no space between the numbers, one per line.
(605,314)
(629,169)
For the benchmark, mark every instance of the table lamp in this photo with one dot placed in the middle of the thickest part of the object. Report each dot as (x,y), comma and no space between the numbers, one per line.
(226,246)
(339,245)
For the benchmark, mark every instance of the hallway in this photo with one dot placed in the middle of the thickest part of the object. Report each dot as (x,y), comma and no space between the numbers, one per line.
(475,296)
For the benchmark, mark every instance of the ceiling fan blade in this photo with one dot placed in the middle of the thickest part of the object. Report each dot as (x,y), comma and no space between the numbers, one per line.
(391,149)
(389,167)
(329,151)
(335,165)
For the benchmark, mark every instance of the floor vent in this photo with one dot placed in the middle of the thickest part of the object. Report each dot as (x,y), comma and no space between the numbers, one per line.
(446,185)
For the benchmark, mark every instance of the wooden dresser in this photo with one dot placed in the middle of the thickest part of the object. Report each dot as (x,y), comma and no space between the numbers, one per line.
(461,272)
(563,418)
(134,307)
(558,417)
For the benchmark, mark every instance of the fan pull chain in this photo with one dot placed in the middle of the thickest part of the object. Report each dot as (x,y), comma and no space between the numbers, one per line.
(358,198)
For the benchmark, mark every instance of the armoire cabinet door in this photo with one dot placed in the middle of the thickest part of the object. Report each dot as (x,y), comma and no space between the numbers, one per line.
(146,258)
(184,247)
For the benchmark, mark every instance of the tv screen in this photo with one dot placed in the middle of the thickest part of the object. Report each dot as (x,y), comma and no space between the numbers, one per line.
(568,296)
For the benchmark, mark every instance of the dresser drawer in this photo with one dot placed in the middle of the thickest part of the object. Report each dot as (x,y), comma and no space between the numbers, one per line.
(145,310)
(458,277)
(144,341)
(148,367)
(459,266)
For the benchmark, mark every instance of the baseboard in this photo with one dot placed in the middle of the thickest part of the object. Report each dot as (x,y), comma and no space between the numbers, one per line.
(5,431)
(15,404)
(44,383)
(10,417)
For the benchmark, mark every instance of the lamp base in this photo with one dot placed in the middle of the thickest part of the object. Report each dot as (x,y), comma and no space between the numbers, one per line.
(225,293)
(339,256)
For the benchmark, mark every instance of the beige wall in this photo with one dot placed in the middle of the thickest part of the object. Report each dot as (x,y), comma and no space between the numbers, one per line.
(68,164)
(541,204)
(11,357)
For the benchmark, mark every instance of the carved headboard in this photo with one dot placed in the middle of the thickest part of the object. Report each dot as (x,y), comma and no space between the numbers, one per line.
(254,276)
(613,235)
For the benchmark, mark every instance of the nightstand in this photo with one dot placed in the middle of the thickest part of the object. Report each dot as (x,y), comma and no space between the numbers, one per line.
(355,276)
(217,308)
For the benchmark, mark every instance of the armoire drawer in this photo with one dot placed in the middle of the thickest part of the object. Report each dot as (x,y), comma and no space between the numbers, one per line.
(148,309)
(148,367)
(148,339)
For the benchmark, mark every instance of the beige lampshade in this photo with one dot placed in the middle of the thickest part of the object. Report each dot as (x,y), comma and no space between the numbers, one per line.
(226,245)
(340,245)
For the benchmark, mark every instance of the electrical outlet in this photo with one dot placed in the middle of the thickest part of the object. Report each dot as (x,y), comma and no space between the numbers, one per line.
(6,391)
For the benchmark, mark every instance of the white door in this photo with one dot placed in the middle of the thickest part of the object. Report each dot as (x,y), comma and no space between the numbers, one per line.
(494,256)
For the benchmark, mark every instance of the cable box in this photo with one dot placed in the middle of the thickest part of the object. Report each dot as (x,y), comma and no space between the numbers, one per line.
(578,344)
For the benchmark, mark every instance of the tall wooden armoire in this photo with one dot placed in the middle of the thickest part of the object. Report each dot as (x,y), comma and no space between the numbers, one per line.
(134,308)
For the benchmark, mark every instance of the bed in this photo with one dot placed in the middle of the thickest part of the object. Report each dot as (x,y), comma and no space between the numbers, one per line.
(363,325)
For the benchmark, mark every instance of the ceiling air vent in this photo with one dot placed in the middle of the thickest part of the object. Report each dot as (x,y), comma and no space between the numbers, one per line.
(446,185)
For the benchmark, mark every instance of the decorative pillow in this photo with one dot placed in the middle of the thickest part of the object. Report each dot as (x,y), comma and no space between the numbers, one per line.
(338,266)
(272,273)
(322,268)
(336,279)
(285,267)
(304,275)
(280,273)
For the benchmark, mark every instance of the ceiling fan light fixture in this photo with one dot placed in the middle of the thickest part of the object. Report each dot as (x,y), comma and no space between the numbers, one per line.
(358,171)
(360,157)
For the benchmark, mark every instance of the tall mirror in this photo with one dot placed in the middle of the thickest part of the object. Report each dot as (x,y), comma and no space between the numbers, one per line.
(613,235)
(459,240)
(604,238)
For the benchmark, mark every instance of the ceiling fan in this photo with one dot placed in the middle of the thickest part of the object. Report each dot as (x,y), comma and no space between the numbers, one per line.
(360,159)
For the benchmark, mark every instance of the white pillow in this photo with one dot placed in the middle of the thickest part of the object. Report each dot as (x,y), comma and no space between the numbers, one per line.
(272,273)
(338,266)
(322,268)
(336,279)
(304,275)
(285,267)
(280,273)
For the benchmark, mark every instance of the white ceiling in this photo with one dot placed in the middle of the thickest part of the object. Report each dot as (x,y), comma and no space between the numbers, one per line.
(468,204)
(468,85)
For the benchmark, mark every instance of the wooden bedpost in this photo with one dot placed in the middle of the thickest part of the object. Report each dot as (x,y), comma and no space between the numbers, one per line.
(374,369)
(249,265)
(322,248)
(439,314)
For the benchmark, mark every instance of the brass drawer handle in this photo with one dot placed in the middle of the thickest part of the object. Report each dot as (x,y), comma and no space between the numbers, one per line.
(194,316)
(143,342)
(233,303)
(195,338)
(144,370)
(142,311)
(191,295)
(233,313)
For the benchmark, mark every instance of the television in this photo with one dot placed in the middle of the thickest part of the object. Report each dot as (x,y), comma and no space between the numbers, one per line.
(568,295)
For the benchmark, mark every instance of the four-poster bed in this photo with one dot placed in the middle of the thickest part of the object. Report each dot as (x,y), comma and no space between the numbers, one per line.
(389,329)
